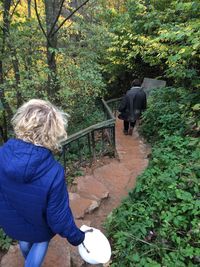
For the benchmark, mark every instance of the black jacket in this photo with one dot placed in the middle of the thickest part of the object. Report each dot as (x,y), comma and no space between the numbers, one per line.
(132,104)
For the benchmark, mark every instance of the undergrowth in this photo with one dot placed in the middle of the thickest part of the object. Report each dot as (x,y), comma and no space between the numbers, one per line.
(158,223)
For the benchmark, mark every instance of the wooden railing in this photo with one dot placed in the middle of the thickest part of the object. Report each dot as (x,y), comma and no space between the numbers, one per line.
(114,104)
(3,126)
(84,147)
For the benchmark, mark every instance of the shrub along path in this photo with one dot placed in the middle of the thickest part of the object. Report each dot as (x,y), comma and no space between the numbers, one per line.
(94,196)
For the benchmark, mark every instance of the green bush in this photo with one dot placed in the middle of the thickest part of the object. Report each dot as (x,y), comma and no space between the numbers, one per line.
(158,223)
(85,116)
(5,241)
(170,112)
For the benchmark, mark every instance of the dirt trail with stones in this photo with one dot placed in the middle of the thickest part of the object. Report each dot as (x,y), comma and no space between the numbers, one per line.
(94,196)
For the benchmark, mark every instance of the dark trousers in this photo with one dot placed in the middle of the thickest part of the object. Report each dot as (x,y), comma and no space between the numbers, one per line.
(128,124)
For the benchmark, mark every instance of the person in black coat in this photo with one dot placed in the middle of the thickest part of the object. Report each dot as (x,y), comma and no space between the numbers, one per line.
(132,105)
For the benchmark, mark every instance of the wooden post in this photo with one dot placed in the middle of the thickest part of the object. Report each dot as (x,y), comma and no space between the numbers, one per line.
(93,146)
(114,143)
(89,146)
(64,158)
(79,151)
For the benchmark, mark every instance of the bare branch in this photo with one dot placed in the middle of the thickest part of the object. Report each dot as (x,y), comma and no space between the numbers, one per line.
(39,21)
(59,12)
(75,10)
(89,5)
(14,8)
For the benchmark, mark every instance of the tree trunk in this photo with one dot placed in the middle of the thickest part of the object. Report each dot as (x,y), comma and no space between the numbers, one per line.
(15,63)
(28,61)
(51,10)
(7,114)
(29,8)
(5,30)
(13,52)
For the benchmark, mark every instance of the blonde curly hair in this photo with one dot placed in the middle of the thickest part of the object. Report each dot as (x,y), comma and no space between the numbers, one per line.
(41,123)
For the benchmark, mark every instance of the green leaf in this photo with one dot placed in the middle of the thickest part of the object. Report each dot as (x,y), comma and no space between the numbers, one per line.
(196,107)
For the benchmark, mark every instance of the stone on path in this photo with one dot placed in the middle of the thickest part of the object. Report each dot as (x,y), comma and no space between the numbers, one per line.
(91,188)
(114,175)
(13,258)
(80,206)
(58,255)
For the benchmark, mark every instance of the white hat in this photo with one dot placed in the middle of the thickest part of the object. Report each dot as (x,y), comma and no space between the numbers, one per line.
(95,248)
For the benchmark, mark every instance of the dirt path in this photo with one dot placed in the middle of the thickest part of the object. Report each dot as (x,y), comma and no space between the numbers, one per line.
(119,176)
(94,197)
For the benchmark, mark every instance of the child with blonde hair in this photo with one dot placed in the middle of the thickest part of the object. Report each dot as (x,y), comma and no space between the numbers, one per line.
(34,202)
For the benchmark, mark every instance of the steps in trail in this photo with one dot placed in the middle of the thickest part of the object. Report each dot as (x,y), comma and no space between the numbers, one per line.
(112,174)
(89,187)
(58,254)
(86,196)
(81,205)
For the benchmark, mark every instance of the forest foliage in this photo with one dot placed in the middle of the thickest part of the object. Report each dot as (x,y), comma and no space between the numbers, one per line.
(67,71)
(97,51)
(158,223)
(155,39)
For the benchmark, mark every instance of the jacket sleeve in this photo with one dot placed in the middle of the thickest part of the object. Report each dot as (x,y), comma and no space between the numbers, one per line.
(122,106)
(59,215)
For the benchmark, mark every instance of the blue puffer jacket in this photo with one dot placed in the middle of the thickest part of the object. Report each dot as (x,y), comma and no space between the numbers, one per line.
(34,203)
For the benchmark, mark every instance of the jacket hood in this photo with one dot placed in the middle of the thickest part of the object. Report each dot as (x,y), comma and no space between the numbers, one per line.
(24,162)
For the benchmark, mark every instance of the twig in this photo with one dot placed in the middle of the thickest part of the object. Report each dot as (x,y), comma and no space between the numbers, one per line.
(152,245)
(14,8)
(75,10)
(72,21)
(39,21)
(59,12)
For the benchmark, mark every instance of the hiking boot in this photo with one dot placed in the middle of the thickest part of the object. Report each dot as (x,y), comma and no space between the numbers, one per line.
(130,132)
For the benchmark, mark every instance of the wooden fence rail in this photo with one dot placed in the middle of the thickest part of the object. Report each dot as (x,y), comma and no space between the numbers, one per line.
(83,147)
